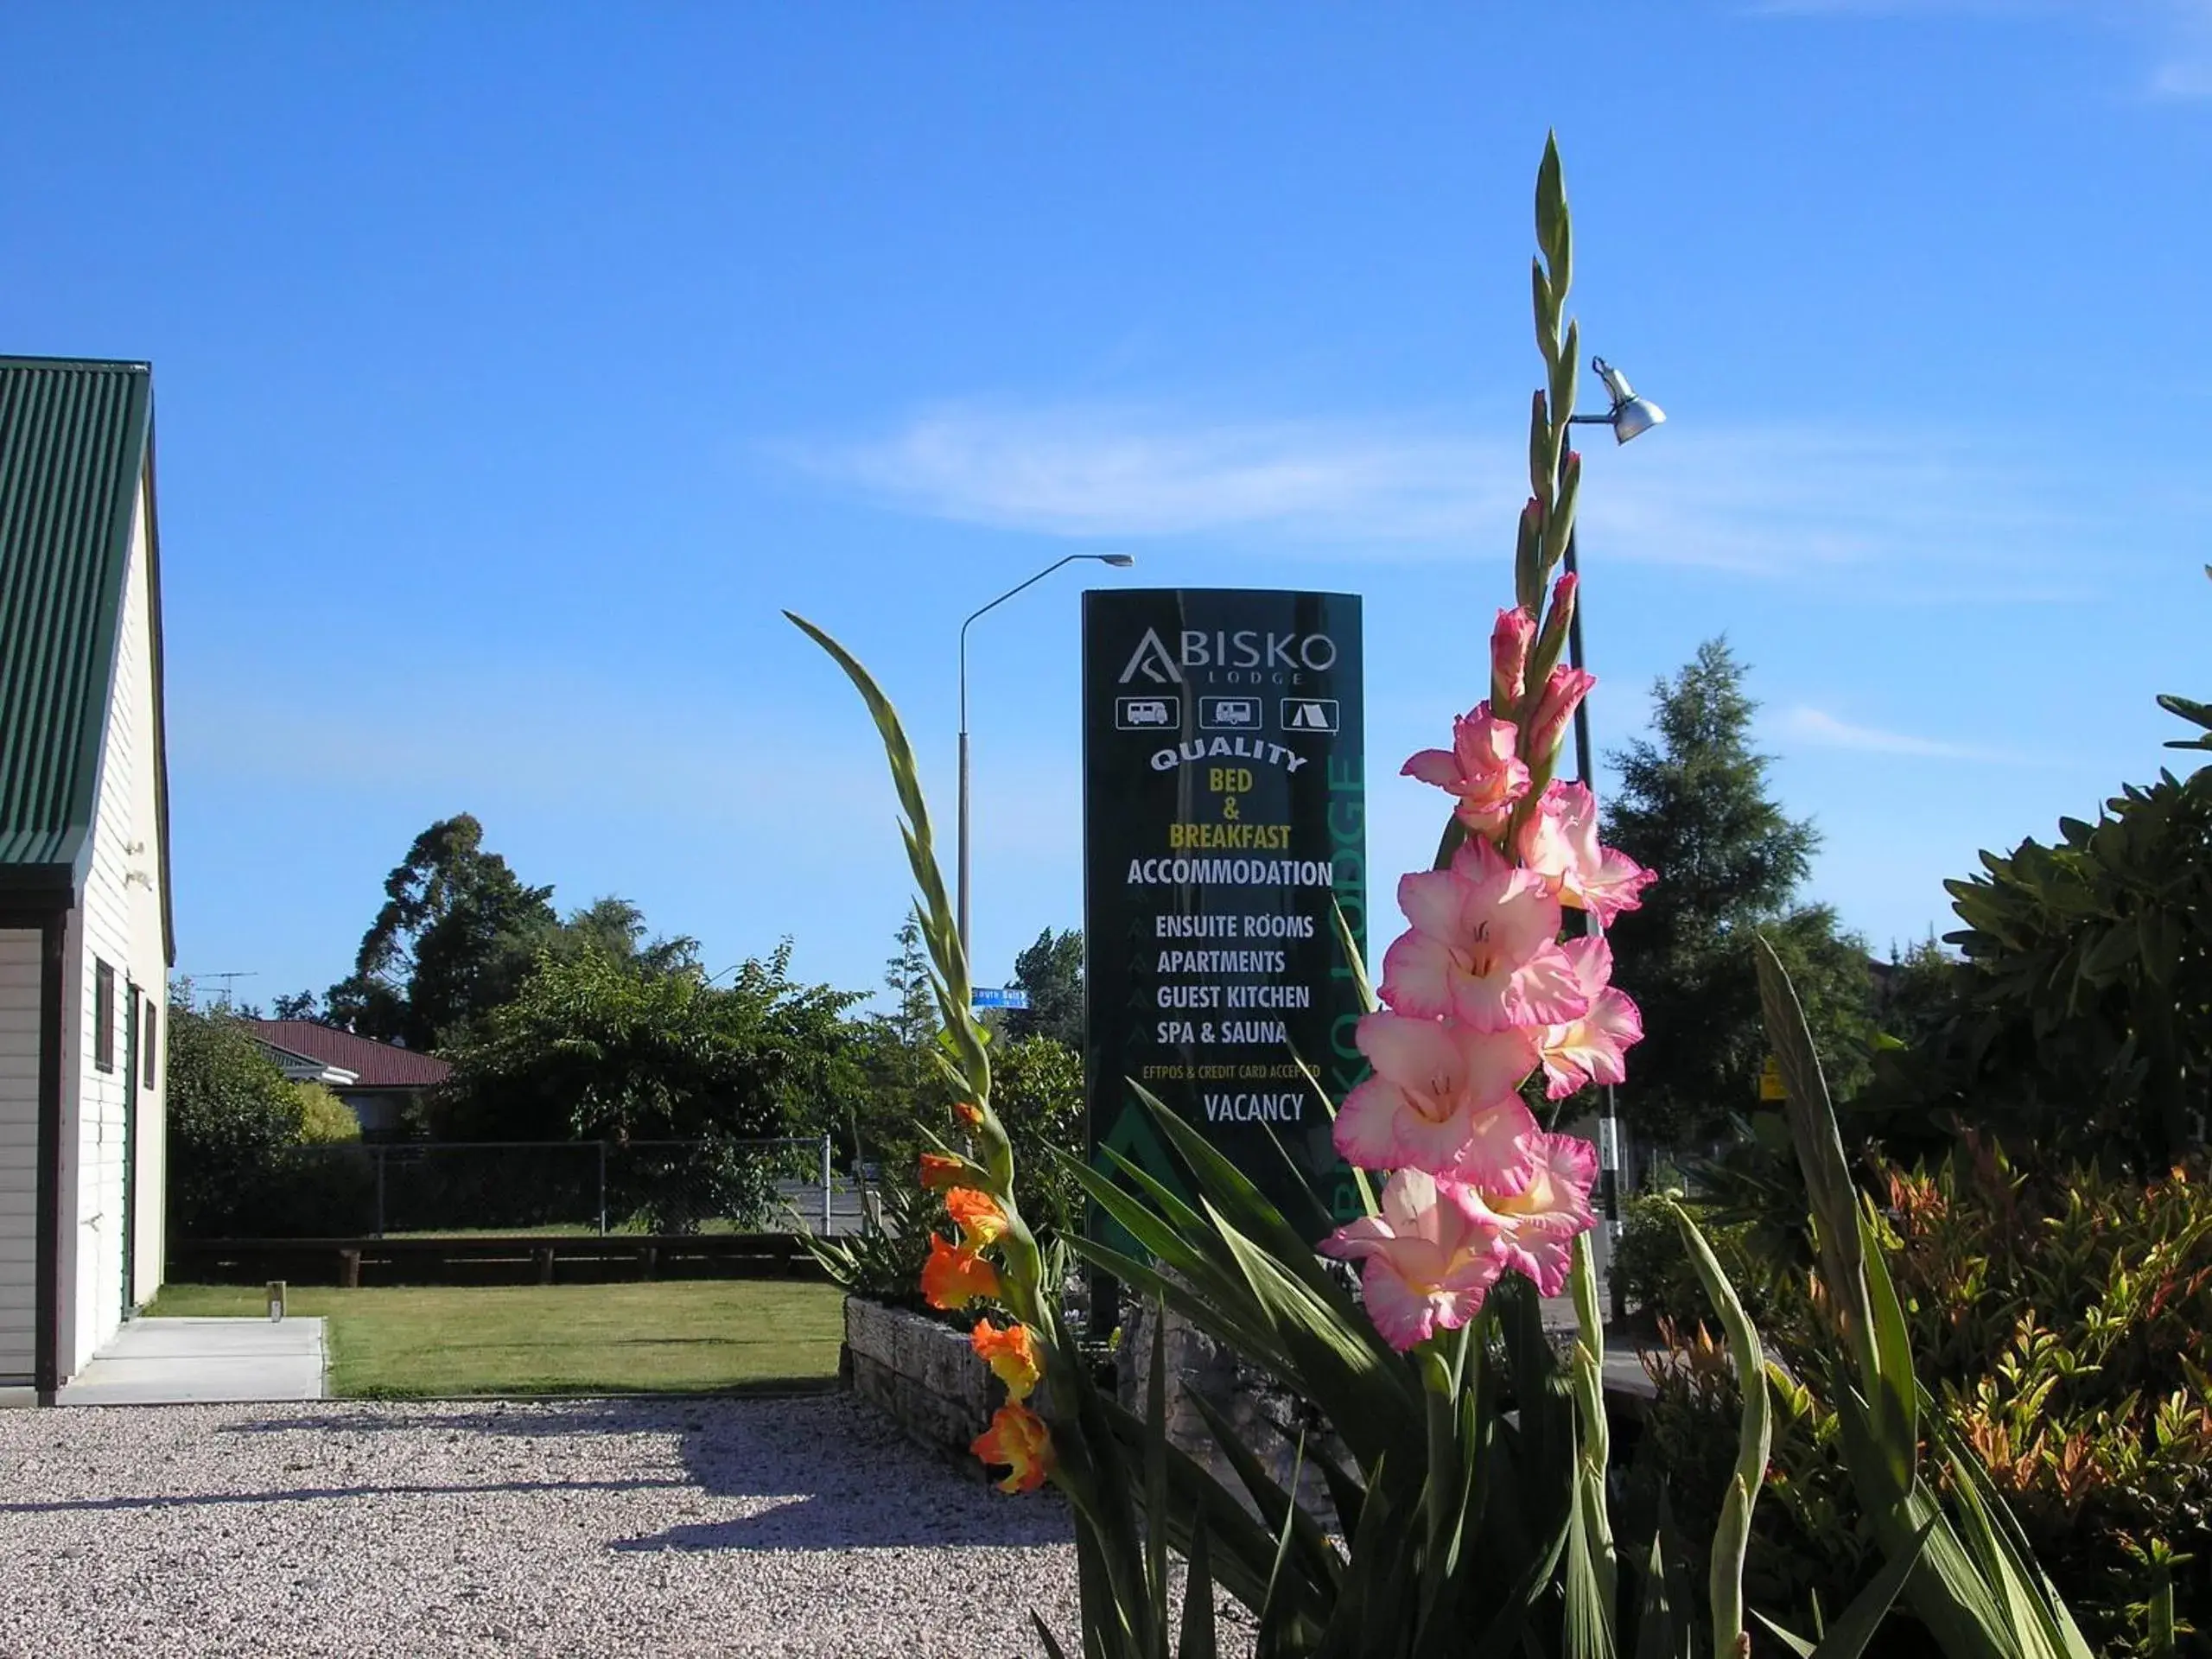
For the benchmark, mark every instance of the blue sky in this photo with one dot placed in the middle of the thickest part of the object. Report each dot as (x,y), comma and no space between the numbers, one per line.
(516,364)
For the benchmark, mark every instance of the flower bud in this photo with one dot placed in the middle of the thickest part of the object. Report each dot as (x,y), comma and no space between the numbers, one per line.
(1562,695)
(1509,658)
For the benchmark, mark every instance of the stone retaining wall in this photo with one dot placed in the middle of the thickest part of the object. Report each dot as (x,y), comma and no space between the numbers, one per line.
(923,1375)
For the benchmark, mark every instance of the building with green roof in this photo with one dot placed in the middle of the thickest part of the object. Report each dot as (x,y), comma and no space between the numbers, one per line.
(86,935)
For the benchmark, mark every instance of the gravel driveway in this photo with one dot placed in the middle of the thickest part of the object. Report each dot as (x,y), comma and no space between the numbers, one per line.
(788,1527)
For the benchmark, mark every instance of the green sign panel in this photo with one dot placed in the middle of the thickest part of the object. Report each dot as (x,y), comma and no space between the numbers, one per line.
(1224,816)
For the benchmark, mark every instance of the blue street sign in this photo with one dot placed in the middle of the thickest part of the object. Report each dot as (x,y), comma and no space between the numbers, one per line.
(985,997)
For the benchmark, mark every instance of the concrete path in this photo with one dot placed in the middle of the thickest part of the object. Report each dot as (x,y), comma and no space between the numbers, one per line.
(183,1362)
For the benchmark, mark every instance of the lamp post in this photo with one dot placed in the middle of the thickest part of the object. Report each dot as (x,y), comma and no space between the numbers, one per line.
(1121,561)
(1629,416)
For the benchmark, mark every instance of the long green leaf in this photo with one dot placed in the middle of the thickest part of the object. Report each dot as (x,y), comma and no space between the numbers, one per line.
(1232,1192)
(1661,1631)
(1355,960)
(1276,1505)
(1368,1200)
(1243,1550)
(905,777)
(1588,1631)
(1847,1638)
(1052,1648)
(1811,1117)
(1363,1390)
(1258,1345)
(1382,1557)
(1155,1478)
(1197,1641)
(2028,1585)
(1753,1439)
(1898,1401)
(1951,1588)
(1275,1614)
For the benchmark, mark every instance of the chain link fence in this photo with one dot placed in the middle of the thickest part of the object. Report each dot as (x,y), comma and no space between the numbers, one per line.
(456,1188)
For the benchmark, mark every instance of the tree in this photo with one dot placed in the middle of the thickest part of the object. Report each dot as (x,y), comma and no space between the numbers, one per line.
(300,1005)
(2080,1021)
(899,1079)
(1050,970)
(231,1115)
(616,929)
(1037,1091)
(1694,806)
(458,934)
(592,1048)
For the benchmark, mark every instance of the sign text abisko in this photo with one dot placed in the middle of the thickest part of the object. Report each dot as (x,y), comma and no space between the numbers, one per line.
(1224,814)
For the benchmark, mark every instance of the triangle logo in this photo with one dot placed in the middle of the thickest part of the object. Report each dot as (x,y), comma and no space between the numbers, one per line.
(1152,660)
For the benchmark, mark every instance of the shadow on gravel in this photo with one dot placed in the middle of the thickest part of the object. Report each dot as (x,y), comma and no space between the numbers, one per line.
(321,1494)
(815,1474)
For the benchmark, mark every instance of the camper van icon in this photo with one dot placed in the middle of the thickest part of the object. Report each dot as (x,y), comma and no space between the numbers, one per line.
(1147,714)
(1229,714)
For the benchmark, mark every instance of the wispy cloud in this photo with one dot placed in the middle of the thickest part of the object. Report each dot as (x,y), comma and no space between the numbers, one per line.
(1817,728)
(1770,501)
(1078,470)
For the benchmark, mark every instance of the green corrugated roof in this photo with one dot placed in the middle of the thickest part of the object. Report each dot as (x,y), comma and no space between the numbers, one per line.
(74,438)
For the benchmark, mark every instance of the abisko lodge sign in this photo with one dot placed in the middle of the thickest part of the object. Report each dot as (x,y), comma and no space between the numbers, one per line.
(1224,816)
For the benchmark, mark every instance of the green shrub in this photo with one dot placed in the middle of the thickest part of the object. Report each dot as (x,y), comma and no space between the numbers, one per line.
(884,1262)
(1656,1276)
(1036,1090)
(232,1116)
(2060,1320)
(325,1119)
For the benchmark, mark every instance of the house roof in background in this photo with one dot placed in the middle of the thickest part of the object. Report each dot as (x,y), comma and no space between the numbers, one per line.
(374,1064)
(76,436)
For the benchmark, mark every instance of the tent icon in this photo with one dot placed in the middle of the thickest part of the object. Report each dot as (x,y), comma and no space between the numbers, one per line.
(1309,715)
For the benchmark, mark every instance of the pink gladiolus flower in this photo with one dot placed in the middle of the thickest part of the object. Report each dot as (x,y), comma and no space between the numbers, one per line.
(1479,767)
(1429,1257)
(1560,842)
(1509,656)
(1443,1098)
(1483,949)
(1589,1050)
(1537,1224)
(1563,694)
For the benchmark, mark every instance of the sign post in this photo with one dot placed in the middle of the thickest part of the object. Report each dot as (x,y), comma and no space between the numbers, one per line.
(1224,822)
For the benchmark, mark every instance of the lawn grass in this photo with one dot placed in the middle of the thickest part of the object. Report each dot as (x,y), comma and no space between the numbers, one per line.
(443,1341)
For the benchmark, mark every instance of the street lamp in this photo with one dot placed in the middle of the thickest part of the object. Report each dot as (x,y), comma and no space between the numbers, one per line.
(1121,561)
(1631,416)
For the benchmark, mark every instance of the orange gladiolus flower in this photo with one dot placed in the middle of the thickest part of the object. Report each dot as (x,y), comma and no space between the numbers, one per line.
(954,1275)
(968,1113)
(1012,1354)
(939,1171)
(1018,1439)
(979,1215)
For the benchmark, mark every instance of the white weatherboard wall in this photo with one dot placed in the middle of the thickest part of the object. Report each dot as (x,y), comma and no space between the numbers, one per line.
(117,921)
(19,968)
